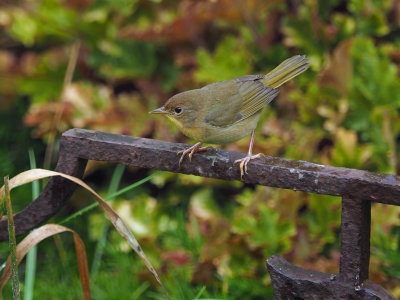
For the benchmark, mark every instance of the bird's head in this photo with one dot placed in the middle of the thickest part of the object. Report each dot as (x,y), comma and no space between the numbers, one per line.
(182,108)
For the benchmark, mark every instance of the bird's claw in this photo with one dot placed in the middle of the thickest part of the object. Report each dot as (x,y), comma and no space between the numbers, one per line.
(243,163)
(191,151)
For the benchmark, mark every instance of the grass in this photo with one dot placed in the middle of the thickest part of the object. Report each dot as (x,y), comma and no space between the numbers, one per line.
(30,268)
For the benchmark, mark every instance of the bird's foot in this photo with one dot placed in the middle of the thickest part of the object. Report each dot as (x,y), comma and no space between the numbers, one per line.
(243,163)
(192,150)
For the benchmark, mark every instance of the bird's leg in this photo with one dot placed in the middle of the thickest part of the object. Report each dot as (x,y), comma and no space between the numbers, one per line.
(245,160)
(192,150)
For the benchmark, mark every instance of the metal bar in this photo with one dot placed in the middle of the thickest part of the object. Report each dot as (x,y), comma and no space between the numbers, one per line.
(217,163)
(355,241)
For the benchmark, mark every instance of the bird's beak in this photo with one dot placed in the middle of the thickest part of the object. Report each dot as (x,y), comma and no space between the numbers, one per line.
(160,110)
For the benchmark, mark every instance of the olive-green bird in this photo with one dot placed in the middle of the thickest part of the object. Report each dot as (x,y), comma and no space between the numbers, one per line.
(227,111)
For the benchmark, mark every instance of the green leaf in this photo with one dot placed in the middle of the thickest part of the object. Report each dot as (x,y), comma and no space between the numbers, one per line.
(123,59)
(370,16)
(262,227)
(323,217)
(24,27)
(222,64)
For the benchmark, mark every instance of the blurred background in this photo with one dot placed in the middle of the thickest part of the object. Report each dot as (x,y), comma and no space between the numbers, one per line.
(104,64)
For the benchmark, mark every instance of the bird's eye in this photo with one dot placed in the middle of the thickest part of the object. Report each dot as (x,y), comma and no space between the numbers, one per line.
(178,110)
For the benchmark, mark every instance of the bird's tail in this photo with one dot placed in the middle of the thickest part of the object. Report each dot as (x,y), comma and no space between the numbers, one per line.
(287,70)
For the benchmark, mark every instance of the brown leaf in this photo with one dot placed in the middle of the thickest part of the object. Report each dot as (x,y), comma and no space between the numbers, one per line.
(178,257)
(194,18)
(337,70)
(41,116)
(204,273)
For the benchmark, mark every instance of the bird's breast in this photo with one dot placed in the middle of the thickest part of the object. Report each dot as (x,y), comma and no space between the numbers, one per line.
(223,135)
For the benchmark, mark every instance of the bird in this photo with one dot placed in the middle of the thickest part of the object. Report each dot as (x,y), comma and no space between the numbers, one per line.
(227,111)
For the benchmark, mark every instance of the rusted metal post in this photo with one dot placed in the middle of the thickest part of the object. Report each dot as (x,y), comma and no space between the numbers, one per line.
(355,241)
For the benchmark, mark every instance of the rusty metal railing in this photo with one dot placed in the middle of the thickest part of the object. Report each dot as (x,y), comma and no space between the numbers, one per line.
(357,189)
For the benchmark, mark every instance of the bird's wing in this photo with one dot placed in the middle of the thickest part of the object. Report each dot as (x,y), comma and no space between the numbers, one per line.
(233,100)
(249,78)
(254,97)
(223,111)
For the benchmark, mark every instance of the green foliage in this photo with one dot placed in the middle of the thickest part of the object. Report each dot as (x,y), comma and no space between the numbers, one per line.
(125,7)
(347,152)
(33,27)
(45,84)
(370,16)
(323,218)
(374,96)
(300,33)
(387,248)
(221,65)
(261,228)
(112,61)
(374,84)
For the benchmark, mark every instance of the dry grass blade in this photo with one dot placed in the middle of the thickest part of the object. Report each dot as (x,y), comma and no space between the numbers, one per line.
(11,233)
(35,174)
(39,235)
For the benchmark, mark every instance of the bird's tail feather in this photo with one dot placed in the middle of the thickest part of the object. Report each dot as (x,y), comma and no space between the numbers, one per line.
(287,70)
